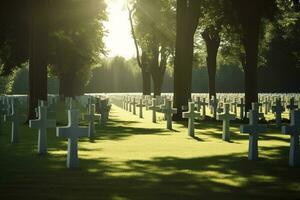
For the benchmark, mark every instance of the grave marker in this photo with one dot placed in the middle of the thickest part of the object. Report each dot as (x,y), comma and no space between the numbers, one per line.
(168,110)
(140,105)
(154,109)
(278,109)
(90,117)
(226,117)
(191,115)
(16,119)
(42,123)
(253,129)
(293,130)
(72,132)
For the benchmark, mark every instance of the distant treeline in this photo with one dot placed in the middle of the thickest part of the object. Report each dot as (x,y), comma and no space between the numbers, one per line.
(120,75)
(124,76)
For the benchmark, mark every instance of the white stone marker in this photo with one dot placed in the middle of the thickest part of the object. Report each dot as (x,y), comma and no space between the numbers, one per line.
(16,119)
(191,115)
(292,105)
(293,130)
(90,117)
(198,104)
(266,106)
(234,106)
(72,132)
(203,104)
(129,104)
(214,106)
(226,117)
(42,123)
(140,105)
(133,103)
(168,110)
(154,109)
(278,109)
(146,102)
(241,105)
(104,111)
(253,129)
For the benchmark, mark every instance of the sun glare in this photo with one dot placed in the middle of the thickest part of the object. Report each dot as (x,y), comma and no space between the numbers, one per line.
(118,40)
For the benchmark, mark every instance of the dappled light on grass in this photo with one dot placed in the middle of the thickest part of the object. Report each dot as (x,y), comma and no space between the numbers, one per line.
(133,158)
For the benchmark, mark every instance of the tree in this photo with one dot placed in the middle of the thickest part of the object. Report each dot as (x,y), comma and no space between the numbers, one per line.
(247,19)
(142,58)
(38,54)
(76,43)
(211,25)
(188,13)
(152,19)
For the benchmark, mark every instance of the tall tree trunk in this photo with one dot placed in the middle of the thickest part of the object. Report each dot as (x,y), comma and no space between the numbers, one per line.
(250,43)
(187,22)
(146,76)
(157,83)
(141,60)
(212,41)
(67,87)
(38,55)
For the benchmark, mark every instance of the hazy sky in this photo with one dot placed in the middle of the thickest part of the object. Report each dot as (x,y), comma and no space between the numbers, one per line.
(118,40)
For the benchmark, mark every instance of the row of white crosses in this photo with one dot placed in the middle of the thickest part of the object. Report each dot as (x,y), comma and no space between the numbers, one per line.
(253,128)
(153,104)
(72,131)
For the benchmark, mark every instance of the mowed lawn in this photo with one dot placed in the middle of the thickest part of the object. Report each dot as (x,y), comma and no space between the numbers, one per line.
(133,158)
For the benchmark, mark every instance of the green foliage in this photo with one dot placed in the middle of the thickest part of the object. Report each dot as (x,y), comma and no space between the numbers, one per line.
(75,37)
(155,23)
(77,41)
(115,75)
(14,37)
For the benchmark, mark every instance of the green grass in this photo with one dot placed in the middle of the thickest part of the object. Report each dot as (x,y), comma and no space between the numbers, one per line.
(133,158)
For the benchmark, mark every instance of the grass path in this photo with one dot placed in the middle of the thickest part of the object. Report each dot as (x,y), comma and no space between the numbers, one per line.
(133,158)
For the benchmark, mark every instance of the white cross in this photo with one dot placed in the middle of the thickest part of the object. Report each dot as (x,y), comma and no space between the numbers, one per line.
(168,110)
(266,105)
(253,129)
(16,119)
(140,105)
(42,123)
(292,105)
(226,117)
(241,105)
(203,104)
(147,103)
(90,117)
(294,131)
(126,101)
(72,132)
(154,109)
(214,106)
(234,106)
(129,104)
(278,110)
(133,103)
(198,104)
(191,115)
(104,111)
